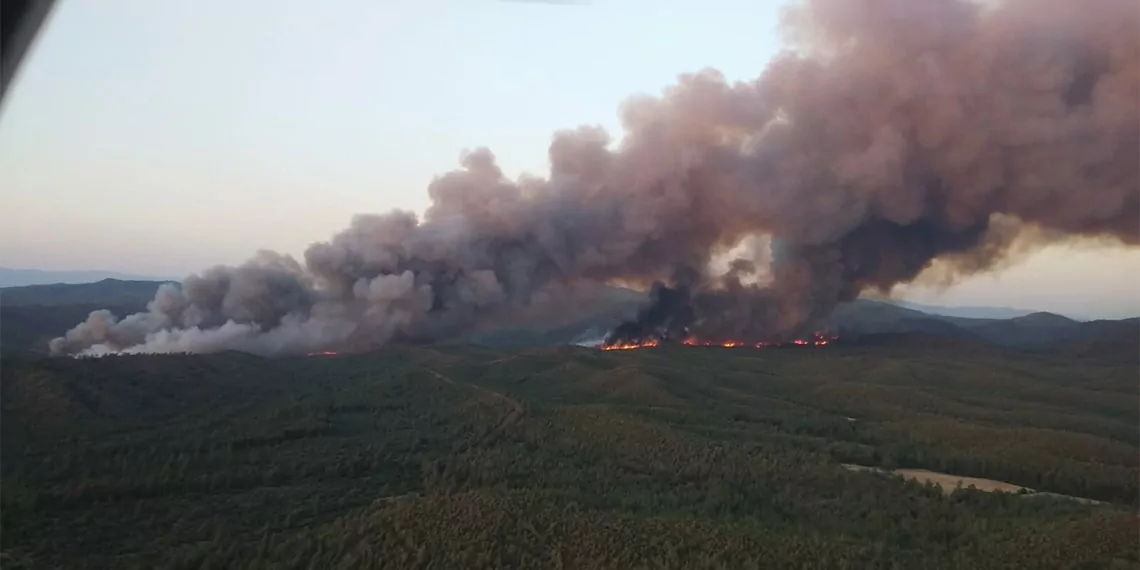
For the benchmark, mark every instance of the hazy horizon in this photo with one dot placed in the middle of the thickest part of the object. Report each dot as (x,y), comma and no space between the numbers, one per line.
(130,144)
(926,297)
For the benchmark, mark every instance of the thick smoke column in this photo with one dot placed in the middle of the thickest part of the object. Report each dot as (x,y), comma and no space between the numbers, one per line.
(890,134)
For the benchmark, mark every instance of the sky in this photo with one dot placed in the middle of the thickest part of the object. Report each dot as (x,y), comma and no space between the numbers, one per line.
(161,138)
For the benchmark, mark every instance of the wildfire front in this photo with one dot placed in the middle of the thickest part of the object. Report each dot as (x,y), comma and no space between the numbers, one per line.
(816,340)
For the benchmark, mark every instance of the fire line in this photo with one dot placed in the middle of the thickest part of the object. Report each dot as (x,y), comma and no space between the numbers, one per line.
(817,340)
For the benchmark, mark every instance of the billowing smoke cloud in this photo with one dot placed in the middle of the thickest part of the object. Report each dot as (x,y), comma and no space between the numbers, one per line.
(890,133)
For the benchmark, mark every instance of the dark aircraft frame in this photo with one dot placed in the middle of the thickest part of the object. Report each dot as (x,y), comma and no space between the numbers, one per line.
(20,22)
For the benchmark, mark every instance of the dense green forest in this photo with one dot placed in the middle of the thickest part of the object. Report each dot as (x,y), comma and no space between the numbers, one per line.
(465,457)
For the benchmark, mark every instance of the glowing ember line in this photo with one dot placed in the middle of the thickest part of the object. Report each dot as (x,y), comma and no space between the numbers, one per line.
(818,340)
(646,344)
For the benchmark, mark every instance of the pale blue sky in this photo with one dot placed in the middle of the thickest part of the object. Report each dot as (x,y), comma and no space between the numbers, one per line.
(163,136)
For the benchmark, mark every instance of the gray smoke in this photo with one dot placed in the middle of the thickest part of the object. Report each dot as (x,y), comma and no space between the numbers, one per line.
(890,133)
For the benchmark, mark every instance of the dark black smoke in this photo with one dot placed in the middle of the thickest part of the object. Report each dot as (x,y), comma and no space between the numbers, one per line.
(667,316)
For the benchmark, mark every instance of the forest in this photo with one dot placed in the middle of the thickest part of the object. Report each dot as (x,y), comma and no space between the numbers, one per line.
(566,457)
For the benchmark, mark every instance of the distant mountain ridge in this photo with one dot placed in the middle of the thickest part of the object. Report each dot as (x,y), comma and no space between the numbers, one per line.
(967,312)
(1035,330)
(110,292)
(12,277)
(33,314)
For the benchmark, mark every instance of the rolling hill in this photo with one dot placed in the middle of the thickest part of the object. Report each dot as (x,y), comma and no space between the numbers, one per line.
(522,451)
(110,292)
(10,277)
(30,316)
(967,312)
(468,457)
(1040,330)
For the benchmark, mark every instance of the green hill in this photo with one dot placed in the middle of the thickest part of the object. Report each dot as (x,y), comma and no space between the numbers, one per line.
(469,457)
(32,315)
(107,292)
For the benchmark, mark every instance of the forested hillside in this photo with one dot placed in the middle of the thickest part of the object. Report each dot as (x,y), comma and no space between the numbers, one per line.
(468,457)
(30,316)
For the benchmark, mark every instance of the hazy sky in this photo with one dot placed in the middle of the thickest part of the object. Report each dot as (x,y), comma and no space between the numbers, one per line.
(161,137)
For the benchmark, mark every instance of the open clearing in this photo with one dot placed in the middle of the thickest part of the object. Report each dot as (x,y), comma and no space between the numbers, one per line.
(950,482)
(947,482)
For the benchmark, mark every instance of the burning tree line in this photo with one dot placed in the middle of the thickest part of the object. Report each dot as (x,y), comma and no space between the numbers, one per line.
(891,139)
(818,339)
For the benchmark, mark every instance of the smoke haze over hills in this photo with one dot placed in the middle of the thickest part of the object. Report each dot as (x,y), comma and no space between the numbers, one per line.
(891,134)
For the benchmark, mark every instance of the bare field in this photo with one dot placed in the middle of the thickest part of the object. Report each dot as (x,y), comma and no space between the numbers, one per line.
(951,482)
(947,482)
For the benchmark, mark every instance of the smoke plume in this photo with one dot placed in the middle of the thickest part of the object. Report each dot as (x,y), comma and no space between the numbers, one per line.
(889,134)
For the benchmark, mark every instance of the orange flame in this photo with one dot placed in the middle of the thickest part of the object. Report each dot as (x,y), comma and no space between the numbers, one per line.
(818,339)
(631,346)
